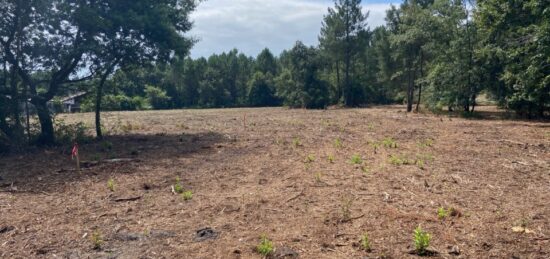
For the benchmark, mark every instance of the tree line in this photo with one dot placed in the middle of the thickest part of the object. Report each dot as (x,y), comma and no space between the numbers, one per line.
(438,54)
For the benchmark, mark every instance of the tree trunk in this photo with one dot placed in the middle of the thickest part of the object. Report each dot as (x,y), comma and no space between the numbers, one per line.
(47,135)
(99,96)
(420,85)
(410,87)
(338,85)
(347,86)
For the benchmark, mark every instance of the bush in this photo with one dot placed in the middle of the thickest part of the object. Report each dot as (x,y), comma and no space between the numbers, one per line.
(66,134)
(157,97)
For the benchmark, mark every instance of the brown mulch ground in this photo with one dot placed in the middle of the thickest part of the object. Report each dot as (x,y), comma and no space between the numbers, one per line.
(274,177)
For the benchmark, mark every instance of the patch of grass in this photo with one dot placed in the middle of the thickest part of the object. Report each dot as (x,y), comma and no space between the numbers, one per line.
(345,208)
(365,242)
(187,195)
(396,160)
(127,128)
(97,240)
(338,143)
(370,126)
(310,159)
(96,157)
(443,213)
(421,241)
(389,143)
(296,142)
(426,157)
(375,146)
(177,186)
(356,160)
(401,160)
(318,176)
(426,143)
(265,247)
(331,159)
(365,170)
(111,184)
(420,163)
(106,146)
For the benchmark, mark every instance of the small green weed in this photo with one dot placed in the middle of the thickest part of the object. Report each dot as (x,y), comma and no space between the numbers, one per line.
(375,146)
(401,160)
(345,208)
(97,240)
(338,143)
(296,142)
(310,159)
(421,241)
(356,160)
(177,186)
(420,163)
(426,143)
(389,143)
(370,126)
(265,247)
(111,184)
(331,159)
(318,177)
(365,242)
(187,195)
(443,213)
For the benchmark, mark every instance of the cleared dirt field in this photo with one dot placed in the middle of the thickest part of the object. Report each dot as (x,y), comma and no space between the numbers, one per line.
(275,177)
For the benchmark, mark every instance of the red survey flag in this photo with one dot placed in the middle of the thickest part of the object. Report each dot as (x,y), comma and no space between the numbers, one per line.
(74,152)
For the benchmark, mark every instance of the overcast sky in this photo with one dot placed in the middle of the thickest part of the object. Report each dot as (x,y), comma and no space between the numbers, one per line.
(251,25)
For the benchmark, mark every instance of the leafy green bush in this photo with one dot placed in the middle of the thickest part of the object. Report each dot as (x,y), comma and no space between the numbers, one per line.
(157,97)
(67,134)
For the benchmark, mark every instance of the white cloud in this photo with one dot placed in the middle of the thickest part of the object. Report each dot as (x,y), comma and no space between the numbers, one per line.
(251,25)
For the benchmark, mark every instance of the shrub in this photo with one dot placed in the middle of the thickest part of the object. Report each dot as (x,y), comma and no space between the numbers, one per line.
(111,184)
(177,186)
(389,143)
(330,158)
(187,195)
(97,240)
(365,242)
(310,158)
(67,134)
(157,97)
(421,241)
(356,160)
(296,142)
(442,213)
(338,143)
(265,247)
(346,209)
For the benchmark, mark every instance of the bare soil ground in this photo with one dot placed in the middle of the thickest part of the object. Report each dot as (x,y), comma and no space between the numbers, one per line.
(274,177)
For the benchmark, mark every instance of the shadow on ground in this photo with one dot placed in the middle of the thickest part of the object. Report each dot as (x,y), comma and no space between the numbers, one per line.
(47,170)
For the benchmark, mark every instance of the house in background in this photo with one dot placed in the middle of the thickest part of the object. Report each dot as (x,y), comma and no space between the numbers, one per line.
(72,102)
